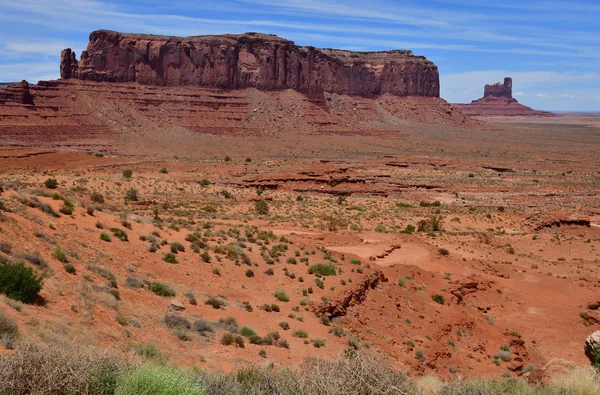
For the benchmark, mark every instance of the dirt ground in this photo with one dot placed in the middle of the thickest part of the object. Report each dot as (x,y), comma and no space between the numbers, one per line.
(452,250)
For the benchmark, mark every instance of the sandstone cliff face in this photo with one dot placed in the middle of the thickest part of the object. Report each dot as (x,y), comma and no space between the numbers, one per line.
(499,90)
(249,60)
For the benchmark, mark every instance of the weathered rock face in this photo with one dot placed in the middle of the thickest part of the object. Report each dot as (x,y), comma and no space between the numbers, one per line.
(249,60)
(499,90)
(16,93)
(591,342)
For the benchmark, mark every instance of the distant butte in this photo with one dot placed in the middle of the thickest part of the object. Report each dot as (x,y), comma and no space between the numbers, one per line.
(497,100)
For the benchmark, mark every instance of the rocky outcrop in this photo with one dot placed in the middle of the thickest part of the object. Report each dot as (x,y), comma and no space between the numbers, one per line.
(497,100)
(354,297)
(250,60)
(499,89)
(592,342)
(18,93)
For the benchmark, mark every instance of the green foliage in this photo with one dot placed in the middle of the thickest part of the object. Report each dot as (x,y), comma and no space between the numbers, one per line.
(214,302)
(60,255)
(51,183)
(261,207)
(127,173)
(19,282)
(177,247)
(119,234)
(322,269)
(437,298)
(281,295)
(302,334)
(161,289)
(204,182)
(105,237)
(157,380)
(246,331)
(596,357)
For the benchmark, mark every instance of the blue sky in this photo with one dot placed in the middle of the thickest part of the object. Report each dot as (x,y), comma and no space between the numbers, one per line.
(550,48)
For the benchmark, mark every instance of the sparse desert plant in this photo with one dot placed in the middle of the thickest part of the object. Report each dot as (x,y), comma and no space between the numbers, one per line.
(127,173)
(119,234)
(51,183)
(281,295)
(249,273)
(9,331)
(164,171)
(20,282)
(284,325)
(105,237)
(161,289)
(214,302)
(60,255)
(261,207)
(437,298)
(318,343)
(177,247)
(302,334)
(176,321)
(131,195)
(97,197)
(443,251)
(246,331)
(322,269)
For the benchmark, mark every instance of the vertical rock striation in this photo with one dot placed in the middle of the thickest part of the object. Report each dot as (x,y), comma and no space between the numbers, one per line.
(250,60)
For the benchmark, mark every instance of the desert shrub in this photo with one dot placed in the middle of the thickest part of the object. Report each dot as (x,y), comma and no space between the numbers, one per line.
(9,331)
(127,173)
(134,283)
(437,298)
(177,247)
(148,351)
(261,207)
(443,251)
(131,195)
(119,234)
(246,331)
(204,182)
(5,247)
(164,171)
(204,328)
(69,267)
(281,295)
(176,321)
(161,289)
(33,369)
(249,273)
(432,224)
(170,258)
(596,357)
(302,334)
(157,380)
(105,237)
(214,302)
(60,255)
(322,269)
(35,259)
(97,197)
(284,325)
(51,183)
(19,282)
(216,271)
(227,339)
(318,343)
(325,320)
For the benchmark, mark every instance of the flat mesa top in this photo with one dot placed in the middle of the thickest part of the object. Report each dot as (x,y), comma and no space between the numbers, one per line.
(249,36)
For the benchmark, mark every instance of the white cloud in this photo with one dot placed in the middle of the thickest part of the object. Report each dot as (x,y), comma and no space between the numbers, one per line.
(543,95)
(31,72)
(518,94)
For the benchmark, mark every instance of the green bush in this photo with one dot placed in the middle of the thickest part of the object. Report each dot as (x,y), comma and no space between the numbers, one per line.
(170,258)
(214,302)
(261,207)
(105,237)
(51,183)
(161,289)
(322,269)
(19,282)
(60,255)
(157,380)
(97,197)
(131,195)
(177,247)
(119,234)
(437,298)
(164,171)
(246,331)
(596,357)
(444,251)
(302,334)
(281,295)
(127,173)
